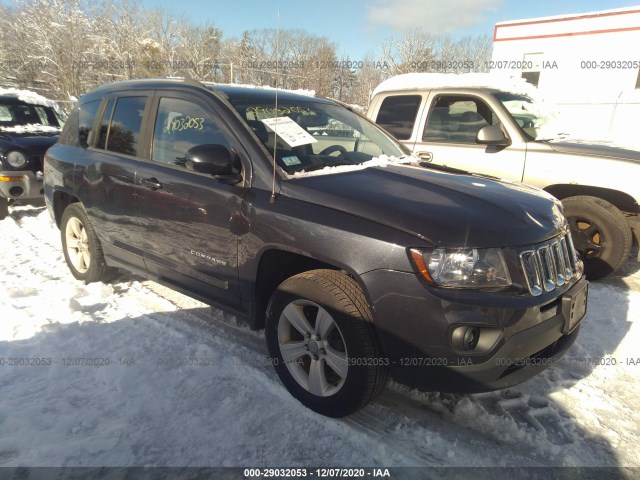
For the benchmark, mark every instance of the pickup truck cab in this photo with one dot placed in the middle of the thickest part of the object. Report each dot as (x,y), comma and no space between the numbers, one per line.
(307,220)
(477,124)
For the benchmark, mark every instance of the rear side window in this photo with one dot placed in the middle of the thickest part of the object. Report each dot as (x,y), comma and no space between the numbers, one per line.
(124,129)
(398,114)
(86,116)
(104,124)
(69,135)
(120,125)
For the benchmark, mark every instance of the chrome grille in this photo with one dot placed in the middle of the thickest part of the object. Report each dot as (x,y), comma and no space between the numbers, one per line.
(551,264)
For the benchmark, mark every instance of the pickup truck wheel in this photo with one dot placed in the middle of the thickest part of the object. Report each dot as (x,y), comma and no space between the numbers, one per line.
(600,233)
(81,247)
(322,344)
(4,208)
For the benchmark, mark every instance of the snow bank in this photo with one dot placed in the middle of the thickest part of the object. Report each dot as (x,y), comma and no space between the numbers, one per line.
(104,375)
(119,375)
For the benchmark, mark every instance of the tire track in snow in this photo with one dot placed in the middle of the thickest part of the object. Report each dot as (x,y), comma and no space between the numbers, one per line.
(403,425)
(421,429)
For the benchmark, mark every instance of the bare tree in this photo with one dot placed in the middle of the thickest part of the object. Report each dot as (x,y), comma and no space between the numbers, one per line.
(199,50)
(116,43)
(411,52)
(367,78)
(419,51)
(46,41)
(289,58)
(162,36)
(466,54)
(63,48)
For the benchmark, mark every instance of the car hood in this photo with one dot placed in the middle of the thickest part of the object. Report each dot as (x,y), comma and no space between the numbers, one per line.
(594,149)
(442,208)
(32,142)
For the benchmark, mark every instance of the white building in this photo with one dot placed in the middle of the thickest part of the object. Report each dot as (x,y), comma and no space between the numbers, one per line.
(587,64)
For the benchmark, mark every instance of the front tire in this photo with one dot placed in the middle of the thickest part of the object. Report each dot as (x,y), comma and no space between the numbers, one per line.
(81,247)
(600,233)
(322,343)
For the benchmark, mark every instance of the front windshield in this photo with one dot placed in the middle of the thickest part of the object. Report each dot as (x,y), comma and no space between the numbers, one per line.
(536,119)
(312,135)
(525,113)
(20,115)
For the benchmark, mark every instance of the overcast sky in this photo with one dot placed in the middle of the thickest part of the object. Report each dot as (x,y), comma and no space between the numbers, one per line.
(359,26)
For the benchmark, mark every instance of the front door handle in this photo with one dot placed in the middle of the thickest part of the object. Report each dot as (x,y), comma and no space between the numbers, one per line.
(426,156)
(151,183)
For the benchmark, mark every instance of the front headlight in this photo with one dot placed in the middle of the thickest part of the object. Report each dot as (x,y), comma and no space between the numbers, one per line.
(462,268)
(16,159)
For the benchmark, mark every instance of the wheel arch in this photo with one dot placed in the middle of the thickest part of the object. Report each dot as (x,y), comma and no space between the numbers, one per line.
(61,200)
(621,200)
(276,265)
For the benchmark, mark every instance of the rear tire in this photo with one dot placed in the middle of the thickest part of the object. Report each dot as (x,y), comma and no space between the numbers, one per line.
(4,208)
(321,323)
(81,247)
(600,233)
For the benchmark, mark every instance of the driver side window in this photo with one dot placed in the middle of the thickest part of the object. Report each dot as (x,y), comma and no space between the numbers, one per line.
(180,125)
(457,119)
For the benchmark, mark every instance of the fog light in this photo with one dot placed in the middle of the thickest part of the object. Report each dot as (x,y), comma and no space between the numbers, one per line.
(16,191)
(470,339)
(475,340)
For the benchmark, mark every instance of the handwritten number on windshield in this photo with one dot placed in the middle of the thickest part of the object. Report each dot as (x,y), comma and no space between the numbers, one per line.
(180,124)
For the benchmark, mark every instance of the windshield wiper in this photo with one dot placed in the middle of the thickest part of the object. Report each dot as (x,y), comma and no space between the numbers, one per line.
(444,168)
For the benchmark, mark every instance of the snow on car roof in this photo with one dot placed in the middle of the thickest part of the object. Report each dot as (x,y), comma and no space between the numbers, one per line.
(30,128)
(417,81)
(28,96)
(299,91)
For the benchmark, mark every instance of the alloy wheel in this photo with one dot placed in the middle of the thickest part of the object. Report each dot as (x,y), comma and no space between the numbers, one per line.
(78,245)
(313,348)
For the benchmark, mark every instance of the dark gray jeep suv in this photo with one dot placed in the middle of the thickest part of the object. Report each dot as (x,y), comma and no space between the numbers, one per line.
(305,219)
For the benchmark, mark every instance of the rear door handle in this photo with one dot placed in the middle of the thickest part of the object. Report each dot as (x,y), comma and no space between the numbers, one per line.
(151,183)
(426,156)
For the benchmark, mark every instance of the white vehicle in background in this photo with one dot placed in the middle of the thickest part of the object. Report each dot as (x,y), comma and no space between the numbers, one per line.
(477,123)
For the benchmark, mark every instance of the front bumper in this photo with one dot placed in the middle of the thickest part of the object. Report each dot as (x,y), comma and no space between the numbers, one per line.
(415,327)
(21,185)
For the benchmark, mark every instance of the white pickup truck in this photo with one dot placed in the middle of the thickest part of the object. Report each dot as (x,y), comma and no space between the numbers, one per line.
(470,123)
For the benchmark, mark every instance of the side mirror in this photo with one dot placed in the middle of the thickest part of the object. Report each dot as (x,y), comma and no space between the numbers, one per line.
(216,160)
(492,135)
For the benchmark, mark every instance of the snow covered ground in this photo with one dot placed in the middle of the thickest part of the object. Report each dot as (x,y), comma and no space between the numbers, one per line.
(109,380)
